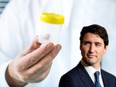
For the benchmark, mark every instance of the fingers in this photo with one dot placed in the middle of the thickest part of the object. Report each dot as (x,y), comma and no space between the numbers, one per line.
(46,60)
(51,55)
(38,74)
(41,52)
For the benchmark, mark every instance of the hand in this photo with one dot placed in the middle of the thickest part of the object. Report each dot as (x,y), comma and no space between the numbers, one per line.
(32,65)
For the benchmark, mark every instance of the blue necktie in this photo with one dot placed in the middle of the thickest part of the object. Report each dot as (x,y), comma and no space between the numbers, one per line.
(97,82)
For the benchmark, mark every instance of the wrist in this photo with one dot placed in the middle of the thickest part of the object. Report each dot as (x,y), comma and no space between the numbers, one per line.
(13,82)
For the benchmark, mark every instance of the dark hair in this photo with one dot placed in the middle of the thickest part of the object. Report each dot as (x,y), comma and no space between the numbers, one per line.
(95,29)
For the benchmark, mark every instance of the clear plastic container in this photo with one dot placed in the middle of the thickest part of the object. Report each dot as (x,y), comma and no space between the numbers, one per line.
(50,27)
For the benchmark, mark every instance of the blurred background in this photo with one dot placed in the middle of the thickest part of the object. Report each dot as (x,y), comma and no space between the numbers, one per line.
(3,3)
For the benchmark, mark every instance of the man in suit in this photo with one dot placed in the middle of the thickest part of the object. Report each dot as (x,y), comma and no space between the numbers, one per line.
(93,45)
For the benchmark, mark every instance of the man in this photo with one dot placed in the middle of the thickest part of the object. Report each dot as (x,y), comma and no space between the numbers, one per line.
(93,45)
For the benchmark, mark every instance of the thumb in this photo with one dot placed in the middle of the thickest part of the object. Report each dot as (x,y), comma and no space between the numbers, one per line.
(33,46)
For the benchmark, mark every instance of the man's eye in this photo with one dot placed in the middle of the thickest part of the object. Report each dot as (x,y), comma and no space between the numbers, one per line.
(86,43)
(98,44)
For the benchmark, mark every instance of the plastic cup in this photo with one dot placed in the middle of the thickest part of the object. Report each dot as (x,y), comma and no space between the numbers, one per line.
(50,27)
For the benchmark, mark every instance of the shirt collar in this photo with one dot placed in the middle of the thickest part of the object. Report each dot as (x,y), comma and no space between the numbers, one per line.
(90,70)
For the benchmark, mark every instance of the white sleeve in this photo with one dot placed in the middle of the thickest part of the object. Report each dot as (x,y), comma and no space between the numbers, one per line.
(3,68)
(4,57)
(9,39)
(16,33)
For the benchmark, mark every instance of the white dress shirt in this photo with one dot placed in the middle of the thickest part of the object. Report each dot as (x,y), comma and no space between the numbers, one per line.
(91,72)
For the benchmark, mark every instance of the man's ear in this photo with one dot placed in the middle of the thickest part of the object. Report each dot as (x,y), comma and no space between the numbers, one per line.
(106,48)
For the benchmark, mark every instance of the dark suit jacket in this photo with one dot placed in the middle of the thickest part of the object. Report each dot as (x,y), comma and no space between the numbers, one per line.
(78,77)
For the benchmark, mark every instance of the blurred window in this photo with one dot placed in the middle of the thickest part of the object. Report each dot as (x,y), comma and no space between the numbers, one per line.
(3,3)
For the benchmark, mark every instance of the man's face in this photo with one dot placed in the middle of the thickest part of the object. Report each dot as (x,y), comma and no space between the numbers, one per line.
(92,49)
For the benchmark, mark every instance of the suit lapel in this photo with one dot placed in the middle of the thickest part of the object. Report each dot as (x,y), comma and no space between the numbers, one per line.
(85,76)
(105,79)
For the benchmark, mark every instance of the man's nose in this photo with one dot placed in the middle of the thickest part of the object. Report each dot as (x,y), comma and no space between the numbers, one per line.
(92,48)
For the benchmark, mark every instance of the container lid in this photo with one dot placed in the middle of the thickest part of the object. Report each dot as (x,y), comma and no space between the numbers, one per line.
(52,18)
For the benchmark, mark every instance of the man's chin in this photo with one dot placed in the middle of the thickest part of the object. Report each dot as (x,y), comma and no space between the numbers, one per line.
(90,62)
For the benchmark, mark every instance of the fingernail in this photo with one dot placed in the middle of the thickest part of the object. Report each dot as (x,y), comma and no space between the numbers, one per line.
(58,48)
(49,46)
